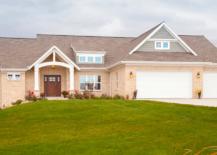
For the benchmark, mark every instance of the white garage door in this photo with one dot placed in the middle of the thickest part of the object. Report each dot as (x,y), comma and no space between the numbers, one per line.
(209,84)
(164,84)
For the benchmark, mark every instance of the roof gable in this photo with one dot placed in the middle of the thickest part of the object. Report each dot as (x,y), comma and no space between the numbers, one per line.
(55,50)
(163,29)
(162,33)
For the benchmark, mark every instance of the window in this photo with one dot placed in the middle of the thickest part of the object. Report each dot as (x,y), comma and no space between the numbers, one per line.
(14,76)
(92,59)
(82,59)
(10,76)
(52,79)
(162,45)
(158,44)
(93,80)
(98,59)
(17,77)
(165,44)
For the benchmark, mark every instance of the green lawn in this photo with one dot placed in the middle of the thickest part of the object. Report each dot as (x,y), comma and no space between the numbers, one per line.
(107,127)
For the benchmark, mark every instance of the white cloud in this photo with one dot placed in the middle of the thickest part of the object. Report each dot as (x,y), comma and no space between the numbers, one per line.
(112,17)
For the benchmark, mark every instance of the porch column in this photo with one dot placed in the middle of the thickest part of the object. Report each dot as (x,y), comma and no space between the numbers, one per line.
(36,78)
(71,70)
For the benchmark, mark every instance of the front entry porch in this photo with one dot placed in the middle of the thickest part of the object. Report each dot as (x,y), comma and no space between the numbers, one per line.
(53,73)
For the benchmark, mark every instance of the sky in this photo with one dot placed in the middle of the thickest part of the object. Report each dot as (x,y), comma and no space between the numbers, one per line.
(123,18)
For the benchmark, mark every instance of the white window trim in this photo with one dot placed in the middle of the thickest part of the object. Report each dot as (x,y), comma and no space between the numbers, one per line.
(90,82)
(162,48)
(86,58)
(13,76)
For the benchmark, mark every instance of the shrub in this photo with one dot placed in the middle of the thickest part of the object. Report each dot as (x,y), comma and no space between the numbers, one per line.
(109,98)
(103,96)
(44,99)
(31,96)
(122,97)
(96,98)
(71,96)
(78,96)
(85,95)
(34,98)
(40,98)
(18,102)
(117,97)
(92,95)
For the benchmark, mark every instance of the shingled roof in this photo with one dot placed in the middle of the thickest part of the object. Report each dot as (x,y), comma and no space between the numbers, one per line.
(21,53)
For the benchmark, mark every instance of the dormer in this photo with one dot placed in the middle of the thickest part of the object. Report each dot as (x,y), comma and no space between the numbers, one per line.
(90,57)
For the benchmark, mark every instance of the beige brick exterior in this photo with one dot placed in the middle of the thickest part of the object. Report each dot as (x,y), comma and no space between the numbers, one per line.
(118,86)
(0,90)
(105,81)
(30,80)
(12,90)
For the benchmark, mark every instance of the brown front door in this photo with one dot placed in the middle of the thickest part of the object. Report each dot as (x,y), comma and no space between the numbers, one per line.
(52,85)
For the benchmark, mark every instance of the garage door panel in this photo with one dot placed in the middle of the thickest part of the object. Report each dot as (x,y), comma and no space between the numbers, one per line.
(164,84)
(209,84)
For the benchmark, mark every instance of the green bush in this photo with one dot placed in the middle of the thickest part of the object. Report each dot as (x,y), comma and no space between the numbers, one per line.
(103,96)
(71,96)
(96,98)
(40,98)
(108,98)
(44,99)
(117,97)
(78,96)
(17,102)
(122,97)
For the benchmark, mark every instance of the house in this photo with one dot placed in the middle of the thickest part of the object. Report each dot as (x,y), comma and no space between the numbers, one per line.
(158,63)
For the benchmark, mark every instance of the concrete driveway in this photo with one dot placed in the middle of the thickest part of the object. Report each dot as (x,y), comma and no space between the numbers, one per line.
(201,102)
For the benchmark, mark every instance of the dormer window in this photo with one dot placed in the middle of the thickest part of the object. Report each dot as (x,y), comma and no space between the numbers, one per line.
(162,45)
(90,59)
(98,59)
(82,59)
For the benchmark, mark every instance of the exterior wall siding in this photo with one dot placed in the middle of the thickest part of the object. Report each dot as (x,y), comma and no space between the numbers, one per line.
(162,34)
(131,82)
(120,89)
(12,90)
(105,81)
(150,46)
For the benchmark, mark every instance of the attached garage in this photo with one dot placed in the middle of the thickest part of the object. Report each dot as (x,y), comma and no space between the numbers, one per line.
(209,84)
(164,84)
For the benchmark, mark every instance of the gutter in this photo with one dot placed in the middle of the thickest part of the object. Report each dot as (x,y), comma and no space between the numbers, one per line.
(13,70)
